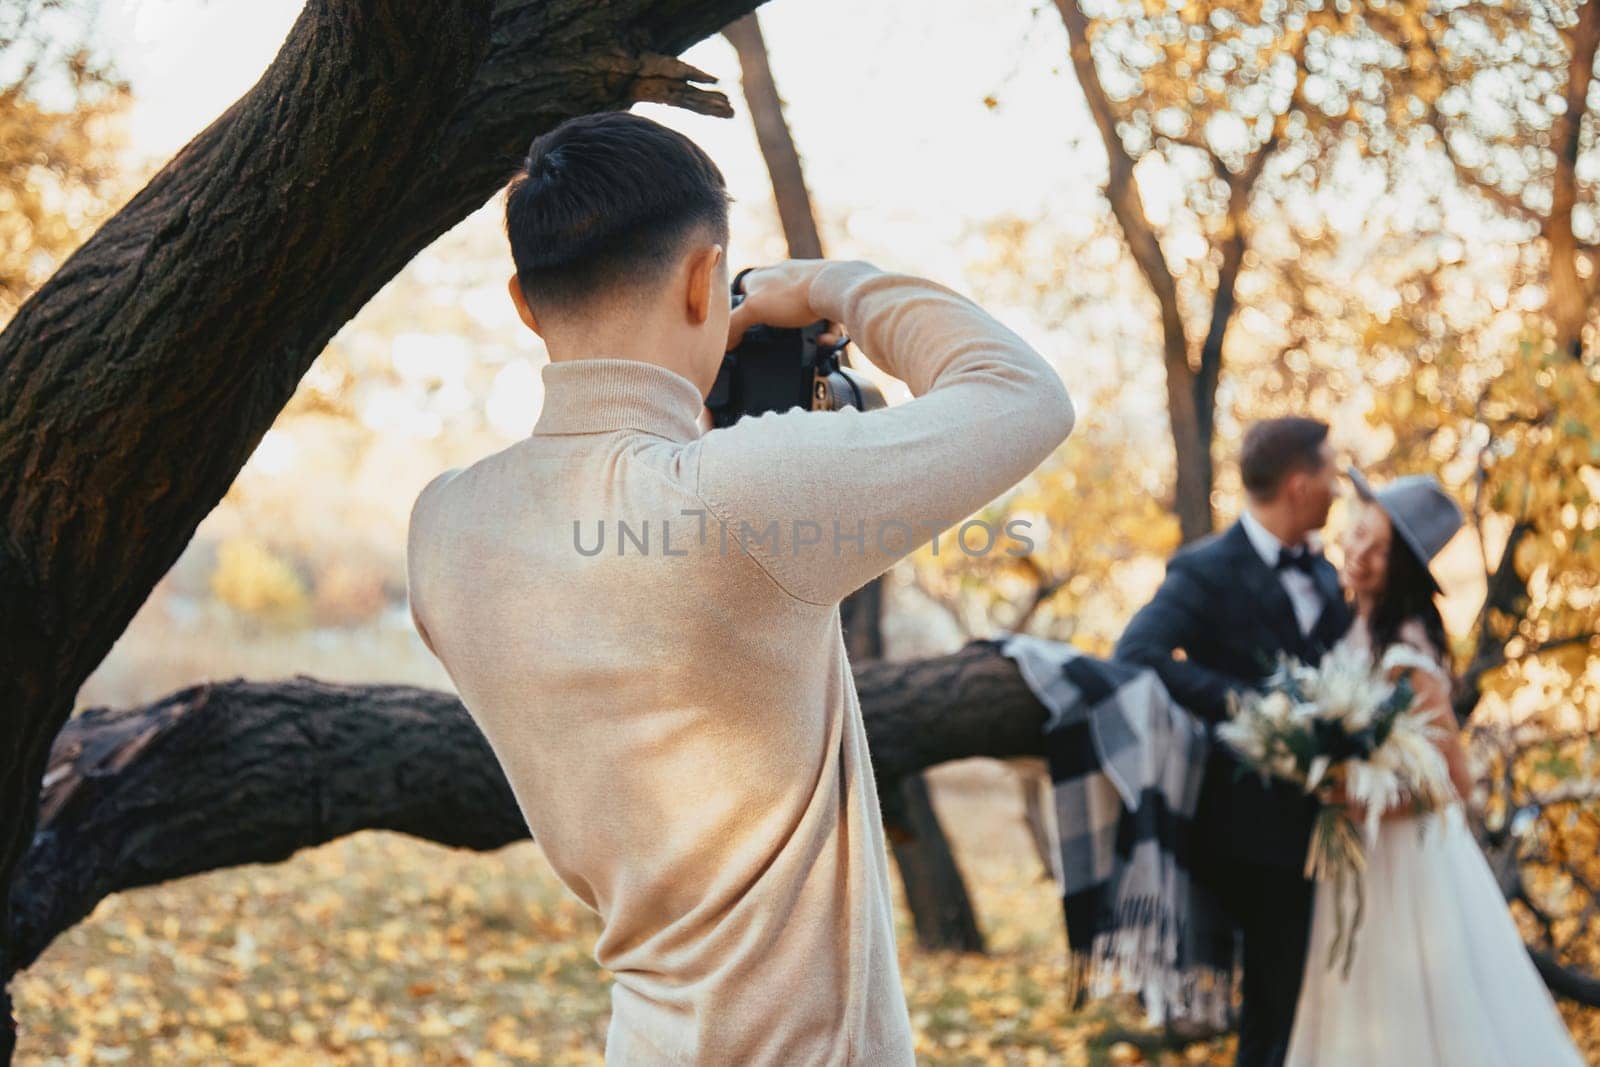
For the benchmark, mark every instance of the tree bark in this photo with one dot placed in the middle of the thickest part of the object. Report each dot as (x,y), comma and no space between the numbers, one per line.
(136,382)
(238,772)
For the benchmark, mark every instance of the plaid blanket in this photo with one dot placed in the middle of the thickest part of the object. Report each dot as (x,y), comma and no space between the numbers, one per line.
(1126,764)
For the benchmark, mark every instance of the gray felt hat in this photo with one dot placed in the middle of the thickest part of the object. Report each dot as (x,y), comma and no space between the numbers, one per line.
(1423,515)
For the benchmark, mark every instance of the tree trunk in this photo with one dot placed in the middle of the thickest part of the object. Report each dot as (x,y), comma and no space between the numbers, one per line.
(1191,389)
(1034,782)
(1568,303)
(238,772)
(861,615)
(1191,441)
(936,893)
(136,382)
(777,145)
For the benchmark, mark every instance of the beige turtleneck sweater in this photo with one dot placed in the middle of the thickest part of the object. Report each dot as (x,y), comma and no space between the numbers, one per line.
(643,620)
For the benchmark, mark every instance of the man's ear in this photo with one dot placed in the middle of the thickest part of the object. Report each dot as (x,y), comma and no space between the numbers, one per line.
(1297,486)
(524,312)
(702,278)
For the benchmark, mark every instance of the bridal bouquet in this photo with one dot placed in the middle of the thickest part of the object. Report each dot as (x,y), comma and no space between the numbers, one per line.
(1347,733)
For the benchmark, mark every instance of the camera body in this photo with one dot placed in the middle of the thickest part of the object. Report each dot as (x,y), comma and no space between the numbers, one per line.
(774,369)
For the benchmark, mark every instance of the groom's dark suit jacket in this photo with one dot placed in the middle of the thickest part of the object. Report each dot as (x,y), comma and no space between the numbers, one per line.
(1229,614)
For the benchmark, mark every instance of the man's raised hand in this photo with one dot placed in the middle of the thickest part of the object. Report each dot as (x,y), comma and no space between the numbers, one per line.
(779,295)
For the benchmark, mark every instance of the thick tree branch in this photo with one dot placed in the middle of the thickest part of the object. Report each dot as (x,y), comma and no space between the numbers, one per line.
(1122,191)
(1191,391)
(1566,982)
(1234,241)
(237,772)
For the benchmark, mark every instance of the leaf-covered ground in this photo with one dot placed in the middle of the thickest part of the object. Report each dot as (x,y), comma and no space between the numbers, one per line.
(381,949)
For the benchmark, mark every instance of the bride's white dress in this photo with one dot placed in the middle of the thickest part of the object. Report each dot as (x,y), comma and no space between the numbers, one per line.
(1439,975)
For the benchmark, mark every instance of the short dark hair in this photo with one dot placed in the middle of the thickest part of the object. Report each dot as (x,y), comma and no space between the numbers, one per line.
(1275,448)
(607,201)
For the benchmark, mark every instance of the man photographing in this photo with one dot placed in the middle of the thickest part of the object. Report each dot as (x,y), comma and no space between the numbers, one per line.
(678,721)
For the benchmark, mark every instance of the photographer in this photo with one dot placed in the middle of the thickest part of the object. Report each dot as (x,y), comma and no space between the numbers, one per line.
(672,706)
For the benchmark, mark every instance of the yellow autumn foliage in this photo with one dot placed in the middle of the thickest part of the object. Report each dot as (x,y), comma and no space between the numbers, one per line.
(254,581)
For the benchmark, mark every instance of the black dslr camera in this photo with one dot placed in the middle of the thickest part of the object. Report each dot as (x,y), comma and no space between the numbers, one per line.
(774,369)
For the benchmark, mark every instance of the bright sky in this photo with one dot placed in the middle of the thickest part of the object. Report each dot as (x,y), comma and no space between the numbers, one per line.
(886,100)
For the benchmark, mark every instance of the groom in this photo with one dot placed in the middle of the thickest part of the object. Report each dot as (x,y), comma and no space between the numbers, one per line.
(1231,604)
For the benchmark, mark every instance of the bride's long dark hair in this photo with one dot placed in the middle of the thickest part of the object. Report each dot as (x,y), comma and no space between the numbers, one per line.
(1407,594)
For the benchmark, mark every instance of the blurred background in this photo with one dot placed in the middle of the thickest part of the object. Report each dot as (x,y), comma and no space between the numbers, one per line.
(1382,215)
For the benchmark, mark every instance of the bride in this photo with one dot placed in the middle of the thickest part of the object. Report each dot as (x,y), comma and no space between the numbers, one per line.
(1440,975)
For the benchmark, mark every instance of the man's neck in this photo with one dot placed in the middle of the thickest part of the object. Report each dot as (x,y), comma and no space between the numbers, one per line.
(1277,524)
(648,337)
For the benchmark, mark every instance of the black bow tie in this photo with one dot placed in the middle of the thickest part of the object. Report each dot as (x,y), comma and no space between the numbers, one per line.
(1301,558)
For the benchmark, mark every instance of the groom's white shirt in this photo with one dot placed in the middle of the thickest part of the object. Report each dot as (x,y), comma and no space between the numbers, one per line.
(1298,584)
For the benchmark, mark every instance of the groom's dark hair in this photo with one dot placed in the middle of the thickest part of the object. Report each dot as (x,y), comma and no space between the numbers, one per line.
(1275,448)
(606,202)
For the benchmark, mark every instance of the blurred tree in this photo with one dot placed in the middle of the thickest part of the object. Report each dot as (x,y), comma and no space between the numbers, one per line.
(59,133)
(1207,110)
(1213,93)
(254,581)
(1505,89)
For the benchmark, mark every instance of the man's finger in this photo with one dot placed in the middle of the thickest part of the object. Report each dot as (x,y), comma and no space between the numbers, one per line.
(740,319)
(742,279)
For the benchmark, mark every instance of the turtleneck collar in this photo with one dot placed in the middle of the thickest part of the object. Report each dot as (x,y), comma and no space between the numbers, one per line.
(603,394)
